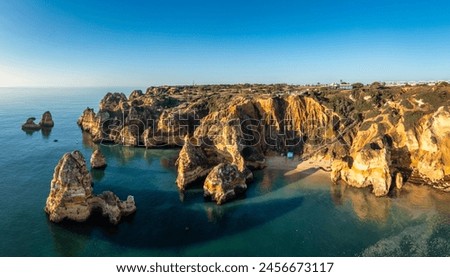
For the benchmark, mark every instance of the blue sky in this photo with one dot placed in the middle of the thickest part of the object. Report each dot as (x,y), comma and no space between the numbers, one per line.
(143,43)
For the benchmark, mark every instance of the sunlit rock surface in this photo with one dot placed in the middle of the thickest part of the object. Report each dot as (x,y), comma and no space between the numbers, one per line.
(376,136)
(71,194)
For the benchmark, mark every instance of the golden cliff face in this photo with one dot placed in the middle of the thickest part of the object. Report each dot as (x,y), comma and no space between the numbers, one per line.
(192,164)
(408,139)
(375,136)
(367,166)
(245,130)
(431,160)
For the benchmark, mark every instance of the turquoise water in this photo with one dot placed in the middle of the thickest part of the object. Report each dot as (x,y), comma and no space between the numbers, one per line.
(296,215)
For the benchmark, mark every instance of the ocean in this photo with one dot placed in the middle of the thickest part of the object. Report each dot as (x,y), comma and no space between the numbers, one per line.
(296,215)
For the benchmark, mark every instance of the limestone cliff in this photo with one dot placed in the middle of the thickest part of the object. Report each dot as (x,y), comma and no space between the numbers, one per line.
(407,138)
(376,136)
(192,164)
(71,194)
(245,130)
(367,166)
(154,119)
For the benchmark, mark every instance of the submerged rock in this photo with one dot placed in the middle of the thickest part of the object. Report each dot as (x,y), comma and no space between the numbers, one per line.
(224,183)
(71,194)
(30,125)
(47,120)
(98,161)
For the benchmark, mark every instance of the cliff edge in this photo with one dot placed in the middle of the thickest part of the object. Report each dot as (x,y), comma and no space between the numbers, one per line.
(375,136)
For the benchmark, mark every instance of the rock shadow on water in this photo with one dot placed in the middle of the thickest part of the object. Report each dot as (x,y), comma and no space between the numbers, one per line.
(46,131)
(86,140)
(68,245)
(161,223)
(97,175)
(272,180)
(64,243)
(29,132)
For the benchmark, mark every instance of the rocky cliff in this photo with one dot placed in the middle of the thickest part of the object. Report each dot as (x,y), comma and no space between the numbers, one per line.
(375,136)
(71,194)
(405,138)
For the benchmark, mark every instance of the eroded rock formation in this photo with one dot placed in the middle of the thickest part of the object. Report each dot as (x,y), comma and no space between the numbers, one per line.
(112,207)
(45,123)
(192,163)
(47,120)
(376,136)
(30,125)
(71,194)
(245,130)
(224,182)
(368,166)
(98,161)
(406,139)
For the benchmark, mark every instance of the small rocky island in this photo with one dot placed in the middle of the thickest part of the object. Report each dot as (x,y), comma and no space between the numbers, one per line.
(374,135)
(224,182)
(46,122)
(30,125)
(98,161)
(71,194)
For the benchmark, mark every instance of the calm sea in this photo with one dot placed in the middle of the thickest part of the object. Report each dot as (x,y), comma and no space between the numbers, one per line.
(297,215)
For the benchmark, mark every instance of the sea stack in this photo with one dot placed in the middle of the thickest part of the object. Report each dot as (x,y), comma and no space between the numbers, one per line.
(47,120)
(224,183)
(71,194)
(98,161)
(30,125)
(70,189)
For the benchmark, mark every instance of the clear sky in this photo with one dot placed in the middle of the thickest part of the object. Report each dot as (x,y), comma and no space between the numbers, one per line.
(143,43)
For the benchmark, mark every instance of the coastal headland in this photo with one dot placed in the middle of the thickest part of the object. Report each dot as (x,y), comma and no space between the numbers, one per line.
(374,135)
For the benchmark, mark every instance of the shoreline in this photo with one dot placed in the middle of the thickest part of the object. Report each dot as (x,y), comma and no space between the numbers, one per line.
(311,167)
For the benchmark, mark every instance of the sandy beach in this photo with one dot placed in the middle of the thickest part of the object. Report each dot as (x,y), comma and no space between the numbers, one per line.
(313,167)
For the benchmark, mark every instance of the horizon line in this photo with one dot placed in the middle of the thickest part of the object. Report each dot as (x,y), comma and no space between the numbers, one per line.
(218,84)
